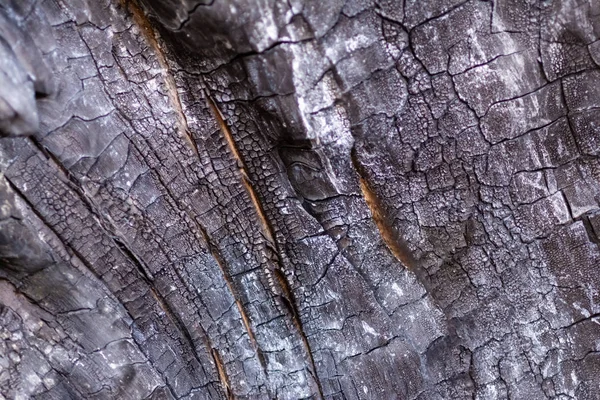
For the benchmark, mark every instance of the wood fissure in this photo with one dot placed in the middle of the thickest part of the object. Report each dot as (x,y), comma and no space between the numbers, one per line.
(216,254)
(289,302)
(393,243)
(218,115)
(102,220)
(176,320)
(222,374)
(80,257)
(152,37)
(219,200)
(282,288)
(106,225)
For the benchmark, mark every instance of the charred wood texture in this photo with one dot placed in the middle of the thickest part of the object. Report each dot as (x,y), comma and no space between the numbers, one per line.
(328,199)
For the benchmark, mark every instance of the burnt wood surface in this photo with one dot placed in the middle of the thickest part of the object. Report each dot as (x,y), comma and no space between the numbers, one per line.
(338,199)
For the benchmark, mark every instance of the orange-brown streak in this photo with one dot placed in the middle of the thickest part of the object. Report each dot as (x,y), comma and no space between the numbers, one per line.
(222,374)
(268,231)
(266,227)
(390,238)
(149,33)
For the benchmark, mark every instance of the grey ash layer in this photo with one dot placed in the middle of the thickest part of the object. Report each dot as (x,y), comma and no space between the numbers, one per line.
(299,199)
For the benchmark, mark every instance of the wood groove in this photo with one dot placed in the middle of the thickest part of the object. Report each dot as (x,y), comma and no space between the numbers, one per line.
(282,288)
(266,227)
(77,255)
(149,33)
(230,285)
(391,239)
(222,374)
(109,230)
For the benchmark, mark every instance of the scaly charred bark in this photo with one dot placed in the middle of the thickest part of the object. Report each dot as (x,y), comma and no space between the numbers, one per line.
(302,199)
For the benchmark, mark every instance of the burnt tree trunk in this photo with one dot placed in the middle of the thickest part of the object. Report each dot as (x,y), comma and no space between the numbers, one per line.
(342,199)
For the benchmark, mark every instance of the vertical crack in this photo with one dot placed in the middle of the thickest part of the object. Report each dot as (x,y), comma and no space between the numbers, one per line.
(222,374)
(275,275)
(152,38)
(393,242)
(266,227)
(230,285)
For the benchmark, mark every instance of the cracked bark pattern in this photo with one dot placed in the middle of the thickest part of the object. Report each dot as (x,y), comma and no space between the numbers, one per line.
(294,199)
